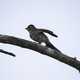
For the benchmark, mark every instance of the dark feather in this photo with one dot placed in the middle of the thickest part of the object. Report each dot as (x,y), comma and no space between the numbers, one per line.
(49,32)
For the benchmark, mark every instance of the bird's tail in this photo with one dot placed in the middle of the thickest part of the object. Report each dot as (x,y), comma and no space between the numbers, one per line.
(49,44)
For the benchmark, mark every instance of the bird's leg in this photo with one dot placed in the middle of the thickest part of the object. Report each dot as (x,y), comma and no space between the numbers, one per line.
(39,42)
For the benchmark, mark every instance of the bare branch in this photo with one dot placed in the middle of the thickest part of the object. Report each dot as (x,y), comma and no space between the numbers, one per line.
(41,49)
(9,53)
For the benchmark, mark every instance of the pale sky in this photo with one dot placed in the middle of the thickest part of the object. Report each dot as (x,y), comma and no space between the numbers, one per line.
(60,16)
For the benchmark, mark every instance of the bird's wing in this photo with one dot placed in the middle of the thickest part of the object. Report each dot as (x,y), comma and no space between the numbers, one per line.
(48,31)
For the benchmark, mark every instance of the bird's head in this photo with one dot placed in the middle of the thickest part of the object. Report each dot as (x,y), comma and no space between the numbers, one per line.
(30,27)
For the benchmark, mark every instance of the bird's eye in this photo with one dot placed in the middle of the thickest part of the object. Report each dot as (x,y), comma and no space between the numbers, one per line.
(29,29)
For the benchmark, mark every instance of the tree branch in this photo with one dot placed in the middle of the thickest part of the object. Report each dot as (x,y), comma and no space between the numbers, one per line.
(9,53)
(41,49)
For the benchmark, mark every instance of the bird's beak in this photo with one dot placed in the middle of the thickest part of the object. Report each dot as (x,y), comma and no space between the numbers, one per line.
(26,27)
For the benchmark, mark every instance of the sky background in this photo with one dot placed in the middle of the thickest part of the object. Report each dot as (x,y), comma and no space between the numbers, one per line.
(60,16)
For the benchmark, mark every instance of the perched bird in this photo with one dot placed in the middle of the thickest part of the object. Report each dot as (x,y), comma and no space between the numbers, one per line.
(39,36)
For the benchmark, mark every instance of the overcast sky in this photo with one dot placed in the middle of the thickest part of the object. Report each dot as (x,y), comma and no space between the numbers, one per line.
(60,16)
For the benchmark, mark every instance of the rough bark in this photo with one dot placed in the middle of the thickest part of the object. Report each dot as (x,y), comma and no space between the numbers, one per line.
(56,54)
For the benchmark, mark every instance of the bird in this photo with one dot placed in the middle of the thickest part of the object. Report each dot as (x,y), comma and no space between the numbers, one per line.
(39,36)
